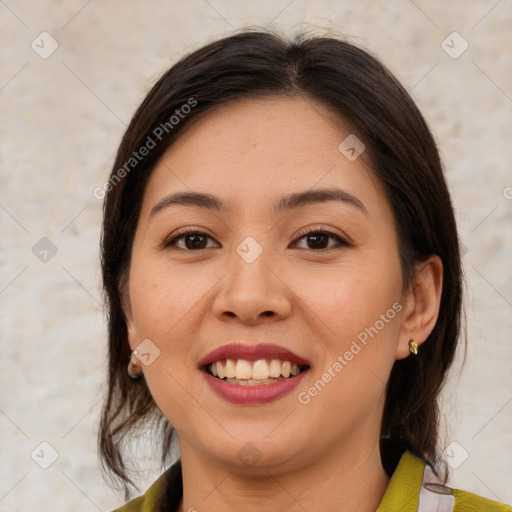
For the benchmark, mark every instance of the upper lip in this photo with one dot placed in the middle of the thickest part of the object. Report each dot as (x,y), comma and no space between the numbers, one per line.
(252,353)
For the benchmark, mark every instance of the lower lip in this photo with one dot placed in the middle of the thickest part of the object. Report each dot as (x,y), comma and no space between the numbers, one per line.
(249,395)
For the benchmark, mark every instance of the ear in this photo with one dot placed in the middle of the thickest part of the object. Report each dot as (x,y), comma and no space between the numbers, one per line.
(422,302)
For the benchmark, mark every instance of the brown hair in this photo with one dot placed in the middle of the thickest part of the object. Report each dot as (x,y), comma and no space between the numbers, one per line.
(402,154)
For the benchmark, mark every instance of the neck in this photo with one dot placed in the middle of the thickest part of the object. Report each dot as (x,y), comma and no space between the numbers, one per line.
(348,480)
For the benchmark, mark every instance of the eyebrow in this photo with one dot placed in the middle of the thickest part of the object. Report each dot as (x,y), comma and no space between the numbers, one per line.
(285,204)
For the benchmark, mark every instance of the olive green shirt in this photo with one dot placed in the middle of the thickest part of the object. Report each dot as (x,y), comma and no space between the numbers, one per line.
(413,488)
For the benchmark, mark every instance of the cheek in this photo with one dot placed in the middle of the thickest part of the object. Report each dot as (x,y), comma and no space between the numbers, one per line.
(360,305)
(162,297)
(351,299)
(169,306)
(340,302)
(359,317)
(165,309)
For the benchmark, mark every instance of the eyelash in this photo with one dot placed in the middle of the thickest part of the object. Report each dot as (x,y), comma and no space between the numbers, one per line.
(193,231)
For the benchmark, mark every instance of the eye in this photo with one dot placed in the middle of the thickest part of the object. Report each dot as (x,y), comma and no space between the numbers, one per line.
(193,239)
(319,238)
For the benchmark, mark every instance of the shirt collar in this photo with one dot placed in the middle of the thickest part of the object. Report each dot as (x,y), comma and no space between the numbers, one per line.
(414,486)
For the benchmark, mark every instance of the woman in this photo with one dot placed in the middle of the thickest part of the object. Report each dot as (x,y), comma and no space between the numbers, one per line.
(283,280)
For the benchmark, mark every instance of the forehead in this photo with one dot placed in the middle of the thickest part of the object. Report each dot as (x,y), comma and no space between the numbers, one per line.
(252,149)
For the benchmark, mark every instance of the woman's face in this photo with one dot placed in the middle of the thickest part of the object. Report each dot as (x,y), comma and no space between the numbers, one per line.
(253,278)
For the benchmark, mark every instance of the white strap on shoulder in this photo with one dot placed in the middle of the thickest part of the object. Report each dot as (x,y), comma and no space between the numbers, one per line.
(434,496)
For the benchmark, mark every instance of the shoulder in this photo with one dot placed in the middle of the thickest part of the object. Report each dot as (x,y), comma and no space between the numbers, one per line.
(468,502)
(414,483)
(434,493)
(164,495)
(132,506)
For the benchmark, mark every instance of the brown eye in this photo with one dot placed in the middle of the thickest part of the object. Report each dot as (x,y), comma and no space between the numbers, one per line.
(192,240)
(319,240)
(197,240)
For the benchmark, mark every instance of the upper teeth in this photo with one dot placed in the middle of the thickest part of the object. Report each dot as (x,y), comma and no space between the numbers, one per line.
(260,369)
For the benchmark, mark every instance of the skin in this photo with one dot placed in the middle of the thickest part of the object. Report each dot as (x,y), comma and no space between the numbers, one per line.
(323,455)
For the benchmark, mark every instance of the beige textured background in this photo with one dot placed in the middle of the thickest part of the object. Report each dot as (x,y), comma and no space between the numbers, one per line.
(61,121)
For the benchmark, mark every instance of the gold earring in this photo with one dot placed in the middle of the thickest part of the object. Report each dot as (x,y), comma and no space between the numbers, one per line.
(413,347)
(134,368)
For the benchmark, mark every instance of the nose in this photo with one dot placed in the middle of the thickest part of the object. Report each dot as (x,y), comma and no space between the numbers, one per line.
(253,290)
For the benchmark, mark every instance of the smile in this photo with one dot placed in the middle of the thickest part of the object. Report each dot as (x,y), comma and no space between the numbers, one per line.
(253,374)
(242,372)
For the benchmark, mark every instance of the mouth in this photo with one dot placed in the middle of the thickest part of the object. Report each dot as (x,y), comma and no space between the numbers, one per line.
(242,372)
(256,374)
